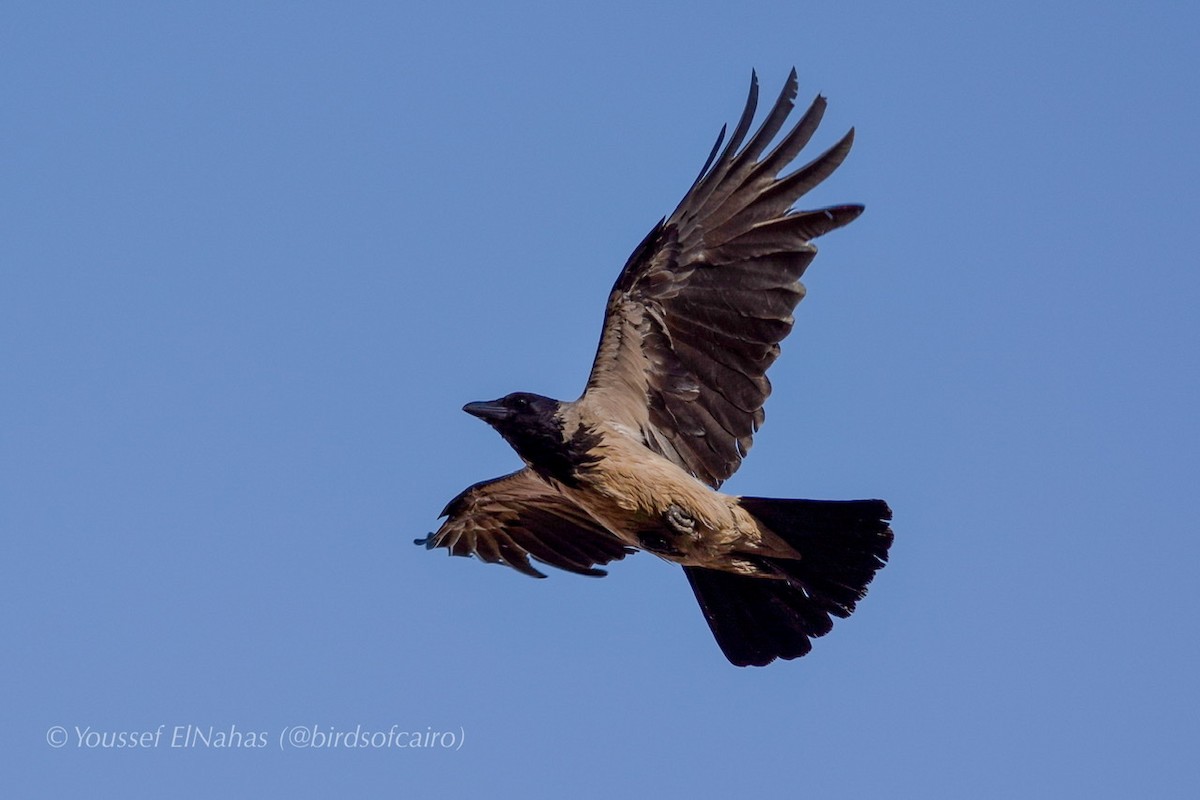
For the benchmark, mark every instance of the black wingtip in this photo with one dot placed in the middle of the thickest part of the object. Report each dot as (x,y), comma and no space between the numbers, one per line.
(708,162)
(845,214)
(792,84)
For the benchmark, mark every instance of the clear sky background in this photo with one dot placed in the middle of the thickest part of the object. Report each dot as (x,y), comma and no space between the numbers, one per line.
(256,257)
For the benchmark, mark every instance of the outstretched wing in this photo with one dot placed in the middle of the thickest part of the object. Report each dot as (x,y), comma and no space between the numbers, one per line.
(508,519)
(696,316)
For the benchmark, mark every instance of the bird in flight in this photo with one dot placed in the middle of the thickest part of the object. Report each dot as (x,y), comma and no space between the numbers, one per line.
(674,398)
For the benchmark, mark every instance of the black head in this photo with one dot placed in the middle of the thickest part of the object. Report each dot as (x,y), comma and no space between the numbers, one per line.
(522,418)
(532,425)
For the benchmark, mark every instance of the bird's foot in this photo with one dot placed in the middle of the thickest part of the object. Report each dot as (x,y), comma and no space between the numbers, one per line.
(680,521)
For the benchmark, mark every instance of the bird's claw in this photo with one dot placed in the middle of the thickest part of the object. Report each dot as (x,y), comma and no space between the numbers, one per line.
(680,521)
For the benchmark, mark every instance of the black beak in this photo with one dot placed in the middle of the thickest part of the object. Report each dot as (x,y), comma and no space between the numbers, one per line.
(491,411)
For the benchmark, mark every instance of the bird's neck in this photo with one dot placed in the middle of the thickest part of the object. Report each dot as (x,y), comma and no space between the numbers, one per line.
(558,452)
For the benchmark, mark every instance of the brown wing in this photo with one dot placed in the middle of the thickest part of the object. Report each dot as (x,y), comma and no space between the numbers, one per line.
(508,519)
(697,314)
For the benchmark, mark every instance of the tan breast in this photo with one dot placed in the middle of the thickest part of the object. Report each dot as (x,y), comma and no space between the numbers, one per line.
(634,492)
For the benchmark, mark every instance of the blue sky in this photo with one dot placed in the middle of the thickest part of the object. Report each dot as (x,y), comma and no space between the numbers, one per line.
(257,256)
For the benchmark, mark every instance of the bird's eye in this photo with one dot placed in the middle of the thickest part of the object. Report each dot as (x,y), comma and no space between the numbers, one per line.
(521,402)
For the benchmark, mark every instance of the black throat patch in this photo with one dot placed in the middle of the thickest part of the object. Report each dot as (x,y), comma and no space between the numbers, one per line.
(564,460)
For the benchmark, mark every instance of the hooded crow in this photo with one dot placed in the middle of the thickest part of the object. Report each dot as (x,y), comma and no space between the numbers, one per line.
(674,398)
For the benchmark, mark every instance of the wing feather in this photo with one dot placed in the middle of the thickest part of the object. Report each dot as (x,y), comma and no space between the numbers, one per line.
(697,314)
(510,519)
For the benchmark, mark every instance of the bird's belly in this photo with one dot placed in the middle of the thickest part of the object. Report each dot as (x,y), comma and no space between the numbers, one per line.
(670,515)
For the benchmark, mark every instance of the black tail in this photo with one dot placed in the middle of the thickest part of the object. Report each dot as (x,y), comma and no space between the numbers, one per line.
(757,619)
